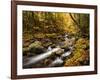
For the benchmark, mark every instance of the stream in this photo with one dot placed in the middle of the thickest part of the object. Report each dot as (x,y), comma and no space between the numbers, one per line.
(40,57)
(58,60)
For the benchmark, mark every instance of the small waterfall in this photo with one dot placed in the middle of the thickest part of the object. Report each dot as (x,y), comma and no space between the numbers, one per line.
(66,35)
(58,61)
(49,48)
(66,54)
(40,57)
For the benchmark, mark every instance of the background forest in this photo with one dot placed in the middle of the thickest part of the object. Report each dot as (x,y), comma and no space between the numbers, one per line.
(52,39)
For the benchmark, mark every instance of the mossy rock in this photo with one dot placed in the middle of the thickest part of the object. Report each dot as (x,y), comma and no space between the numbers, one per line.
(36,47)
(82,43)
(26,44)
(46,44)
(52,35)
(53,45)
(64,46)
(36,44)
(37,50)
(39,35)
(26,51)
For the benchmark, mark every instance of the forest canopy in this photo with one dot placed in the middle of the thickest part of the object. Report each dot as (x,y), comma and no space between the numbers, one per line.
(55,22)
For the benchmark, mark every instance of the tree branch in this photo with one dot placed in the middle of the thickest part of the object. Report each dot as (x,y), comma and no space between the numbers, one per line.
(74,19)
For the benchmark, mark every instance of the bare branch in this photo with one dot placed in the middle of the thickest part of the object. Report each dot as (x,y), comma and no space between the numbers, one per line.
(74,19)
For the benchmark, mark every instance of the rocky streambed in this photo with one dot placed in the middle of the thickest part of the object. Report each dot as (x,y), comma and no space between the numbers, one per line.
(51,55)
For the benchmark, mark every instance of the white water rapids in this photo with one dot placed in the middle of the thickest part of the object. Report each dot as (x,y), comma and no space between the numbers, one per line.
(57,61)
(43,56)
(40,57)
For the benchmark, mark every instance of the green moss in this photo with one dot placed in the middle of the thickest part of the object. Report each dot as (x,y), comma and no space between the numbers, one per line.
(52,35)
(39,35)
(35,44)
(82,43)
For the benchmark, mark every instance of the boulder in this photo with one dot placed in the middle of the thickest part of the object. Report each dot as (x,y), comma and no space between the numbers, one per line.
(26,51)
(35,44)
(26,44)
(53,45)
(64,45)
(59,52)
(46,44)
(36,47)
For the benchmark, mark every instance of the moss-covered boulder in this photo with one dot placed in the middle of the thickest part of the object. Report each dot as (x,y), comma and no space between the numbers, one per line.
(46,44)
(82,43)
(36,47)
(51,35)
(26,51)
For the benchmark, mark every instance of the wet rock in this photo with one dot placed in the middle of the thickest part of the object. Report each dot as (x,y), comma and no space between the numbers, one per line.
(59,52)
(53,56)
(47,61)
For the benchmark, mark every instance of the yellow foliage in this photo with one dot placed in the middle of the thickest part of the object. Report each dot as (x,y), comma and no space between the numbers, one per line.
(79,54)
(82,43)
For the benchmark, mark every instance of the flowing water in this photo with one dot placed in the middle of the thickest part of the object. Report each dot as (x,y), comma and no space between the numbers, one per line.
(66,54)
(40,57)
(58,61)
